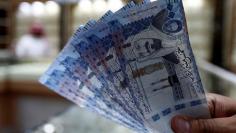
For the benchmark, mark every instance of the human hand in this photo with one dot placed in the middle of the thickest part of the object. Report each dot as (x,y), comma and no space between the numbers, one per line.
(223,113)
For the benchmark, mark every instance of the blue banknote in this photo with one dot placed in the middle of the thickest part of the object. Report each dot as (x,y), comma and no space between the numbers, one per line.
(108,96)
(85,76)
(62,55)
(69,77)
(151,41)
(115,98)
(58,80)
(88,52)
(136,63)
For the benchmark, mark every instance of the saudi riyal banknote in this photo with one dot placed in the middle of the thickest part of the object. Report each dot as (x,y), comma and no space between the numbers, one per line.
(70,60)
(68,75)
(135,67)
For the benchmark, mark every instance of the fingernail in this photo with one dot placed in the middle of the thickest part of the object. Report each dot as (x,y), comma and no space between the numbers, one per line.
(182,125)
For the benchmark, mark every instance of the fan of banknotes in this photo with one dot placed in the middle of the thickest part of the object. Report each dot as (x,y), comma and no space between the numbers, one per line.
(134,67)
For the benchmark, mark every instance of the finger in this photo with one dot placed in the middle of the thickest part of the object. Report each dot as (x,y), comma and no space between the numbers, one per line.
(183,124)
(221,106)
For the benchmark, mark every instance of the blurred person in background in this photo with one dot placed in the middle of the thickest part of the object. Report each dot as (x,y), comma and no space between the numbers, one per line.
(34,45)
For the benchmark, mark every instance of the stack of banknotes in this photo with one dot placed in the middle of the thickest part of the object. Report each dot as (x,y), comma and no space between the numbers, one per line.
(134,67)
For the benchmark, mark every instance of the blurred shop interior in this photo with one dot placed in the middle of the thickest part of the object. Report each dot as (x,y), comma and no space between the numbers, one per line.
(32,32)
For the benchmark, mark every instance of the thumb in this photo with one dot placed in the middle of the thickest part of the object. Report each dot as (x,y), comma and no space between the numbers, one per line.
(183,124)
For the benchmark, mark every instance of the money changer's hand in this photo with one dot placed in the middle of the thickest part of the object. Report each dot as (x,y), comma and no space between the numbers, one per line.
(222,109)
